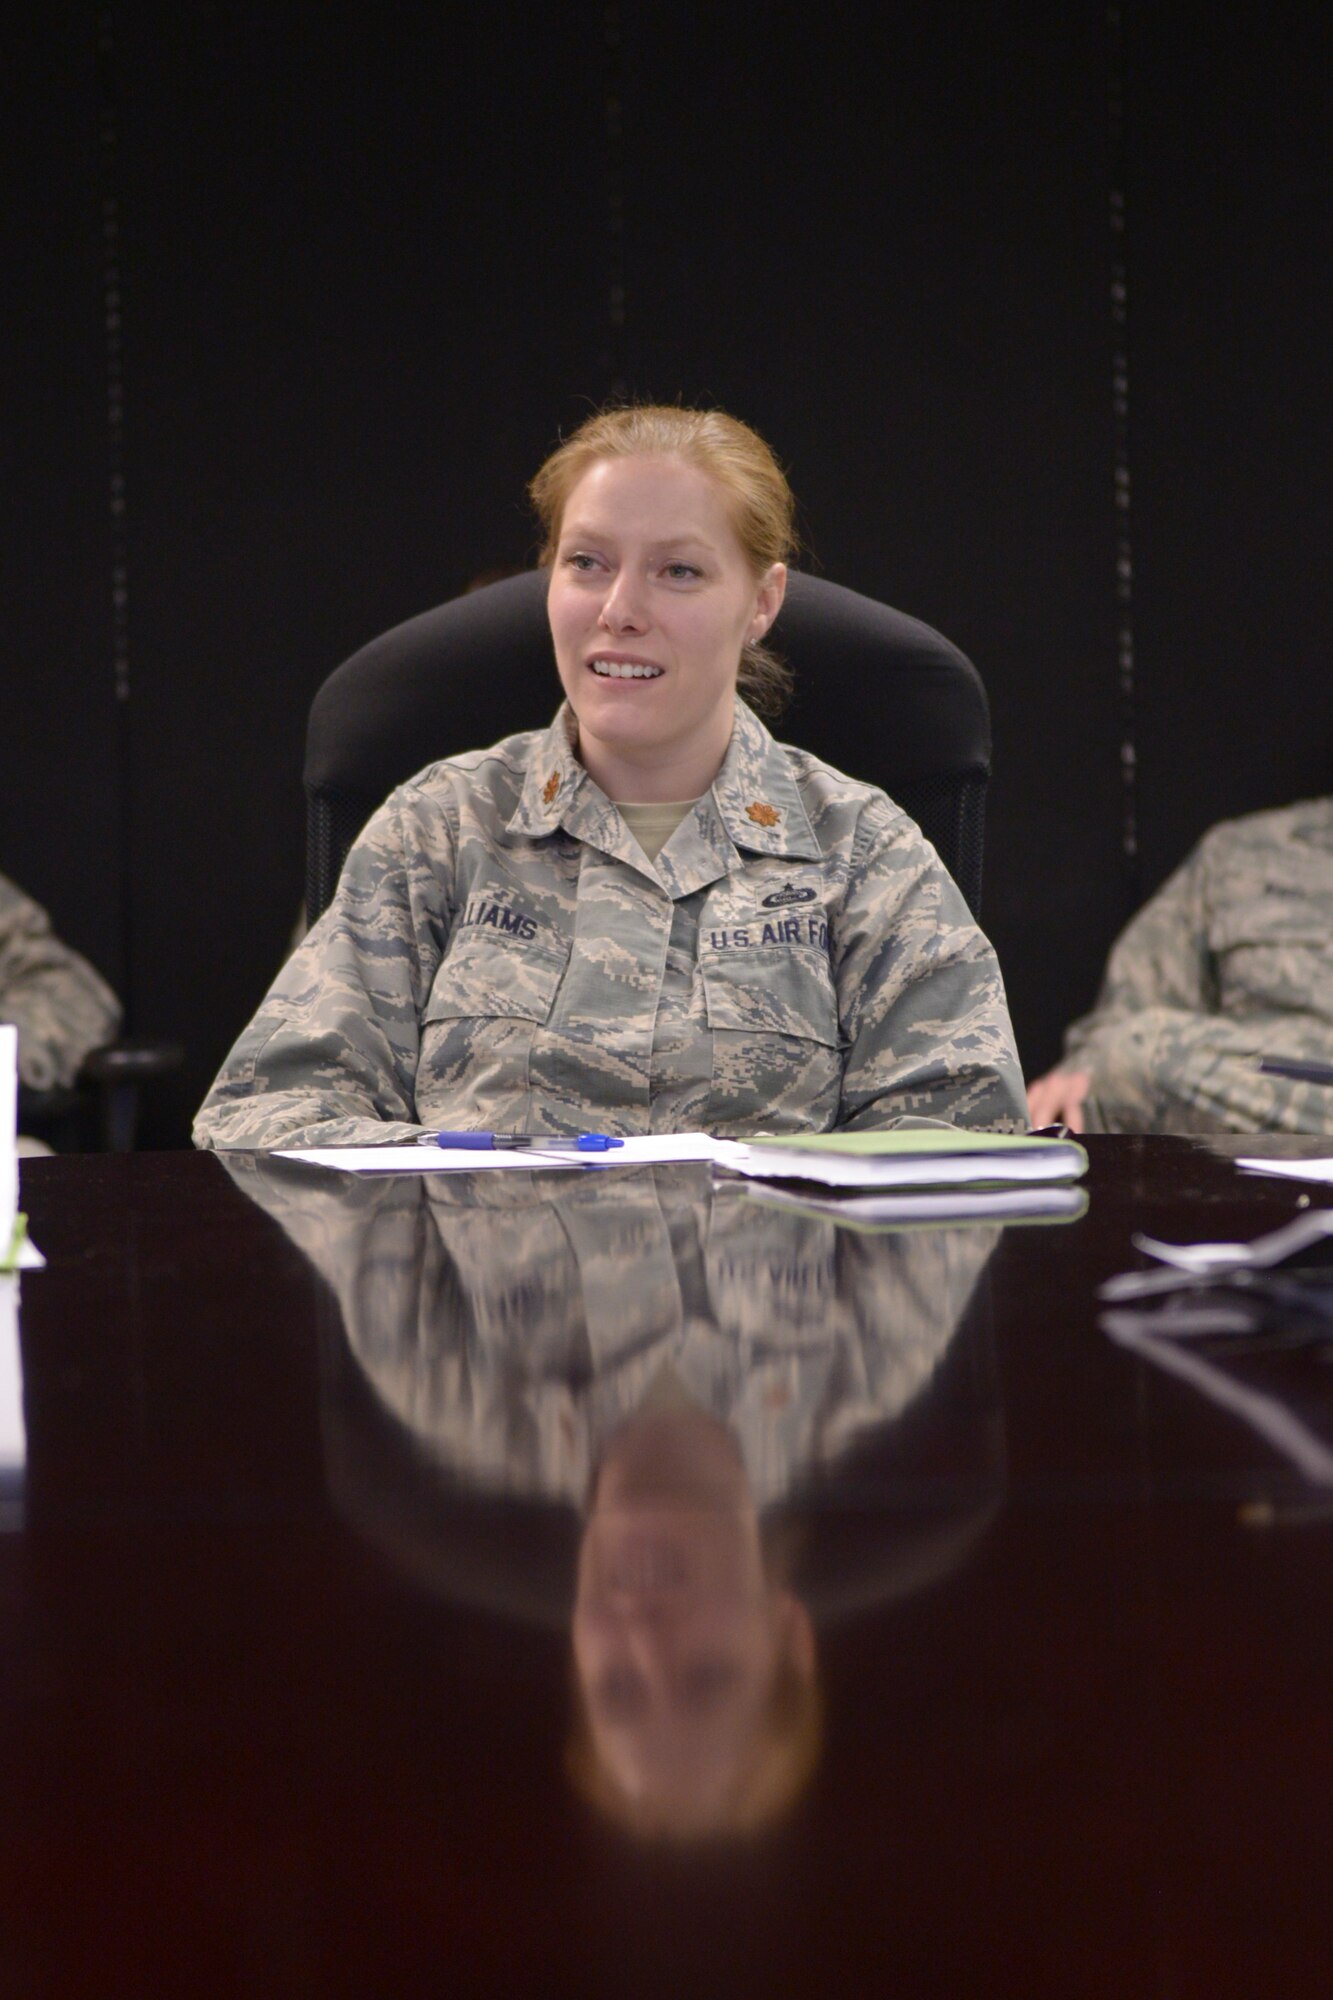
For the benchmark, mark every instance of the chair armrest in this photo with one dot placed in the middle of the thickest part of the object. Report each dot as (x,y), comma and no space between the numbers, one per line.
(132,1062)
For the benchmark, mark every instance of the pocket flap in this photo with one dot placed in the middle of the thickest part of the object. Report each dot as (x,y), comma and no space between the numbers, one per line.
(481,977)
(786,992)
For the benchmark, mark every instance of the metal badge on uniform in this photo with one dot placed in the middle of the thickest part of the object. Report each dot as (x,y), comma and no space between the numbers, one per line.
(550,788)
(762,813)
(786,895)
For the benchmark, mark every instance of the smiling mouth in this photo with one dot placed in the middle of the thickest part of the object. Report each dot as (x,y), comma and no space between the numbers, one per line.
(625,670)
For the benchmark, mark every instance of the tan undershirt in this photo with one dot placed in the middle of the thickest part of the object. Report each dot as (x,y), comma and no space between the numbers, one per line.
(653,826)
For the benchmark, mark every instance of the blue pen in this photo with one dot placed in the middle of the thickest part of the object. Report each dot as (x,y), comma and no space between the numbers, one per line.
(486,1142)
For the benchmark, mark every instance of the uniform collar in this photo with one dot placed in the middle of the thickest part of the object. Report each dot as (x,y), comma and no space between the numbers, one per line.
(752,807)
(756,795)
(558,793)
(554,775)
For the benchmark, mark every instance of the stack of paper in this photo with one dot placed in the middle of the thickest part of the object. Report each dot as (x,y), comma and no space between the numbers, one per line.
(906,1159)
(898,1208)
(892,1179)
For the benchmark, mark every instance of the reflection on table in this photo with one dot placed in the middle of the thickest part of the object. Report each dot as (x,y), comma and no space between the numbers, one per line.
(701,1401)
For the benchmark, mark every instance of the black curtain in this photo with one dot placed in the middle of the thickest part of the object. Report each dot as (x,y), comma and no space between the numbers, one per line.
(304,294)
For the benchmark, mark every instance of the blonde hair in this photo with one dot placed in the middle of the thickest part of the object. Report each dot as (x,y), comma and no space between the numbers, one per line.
(768,1785)
(759,500)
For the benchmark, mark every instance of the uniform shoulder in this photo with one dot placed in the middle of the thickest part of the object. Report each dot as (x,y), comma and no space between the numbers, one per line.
(825,789)
(15,903)
(497,770)
(1262,832)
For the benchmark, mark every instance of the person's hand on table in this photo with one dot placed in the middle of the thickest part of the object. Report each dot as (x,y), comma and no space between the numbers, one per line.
(1057,1098)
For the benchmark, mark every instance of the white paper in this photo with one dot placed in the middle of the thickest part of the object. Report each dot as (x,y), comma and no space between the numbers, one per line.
(421,1159)
(29,1257)
(9,1159)
(656,1149)
(665,1149)
(12,1445)
(1295,1170)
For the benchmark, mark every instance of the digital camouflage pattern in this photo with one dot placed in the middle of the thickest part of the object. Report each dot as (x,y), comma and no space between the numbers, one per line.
(1232,960)
(491,1314)
(62,1009)
(501,954)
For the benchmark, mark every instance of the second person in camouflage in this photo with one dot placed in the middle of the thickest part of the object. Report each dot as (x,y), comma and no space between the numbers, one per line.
(1231,961)
(650,916)
(62,1008)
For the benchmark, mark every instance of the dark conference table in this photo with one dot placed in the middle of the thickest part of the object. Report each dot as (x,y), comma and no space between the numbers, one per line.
(286,1677)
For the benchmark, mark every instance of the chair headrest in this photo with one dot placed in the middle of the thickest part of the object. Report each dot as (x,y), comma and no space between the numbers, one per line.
(874,688)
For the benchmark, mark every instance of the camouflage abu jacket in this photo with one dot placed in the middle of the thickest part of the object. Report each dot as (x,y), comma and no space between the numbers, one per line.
(502,955)
(62,1009)
(1230,961)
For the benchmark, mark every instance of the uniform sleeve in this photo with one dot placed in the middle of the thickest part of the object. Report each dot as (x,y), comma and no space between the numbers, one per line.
(1161,960)
(1168,1070)
(920,996)
(330,1059)
(1164,1052)
(62,1009)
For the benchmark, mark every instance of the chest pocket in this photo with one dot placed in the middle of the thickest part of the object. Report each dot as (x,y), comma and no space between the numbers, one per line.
(482,978)
(772,992)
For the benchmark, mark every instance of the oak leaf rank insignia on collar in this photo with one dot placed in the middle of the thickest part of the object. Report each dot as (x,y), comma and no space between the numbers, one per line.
(762,813)
(550,788)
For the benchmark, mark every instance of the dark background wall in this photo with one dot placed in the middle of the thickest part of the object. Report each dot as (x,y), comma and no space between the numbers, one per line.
(300,295)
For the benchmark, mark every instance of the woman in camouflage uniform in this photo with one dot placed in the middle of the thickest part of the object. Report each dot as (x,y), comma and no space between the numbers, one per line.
(649,916)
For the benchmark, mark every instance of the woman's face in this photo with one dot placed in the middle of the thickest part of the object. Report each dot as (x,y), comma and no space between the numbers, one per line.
(651,600)
(677,1629)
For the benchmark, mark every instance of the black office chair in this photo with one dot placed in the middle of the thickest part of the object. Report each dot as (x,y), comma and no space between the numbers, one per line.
(99,1111)
(878,694)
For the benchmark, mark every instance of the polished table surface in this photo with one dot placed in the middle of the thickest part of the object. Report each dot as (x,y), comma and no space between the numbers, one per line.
(286,1677)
